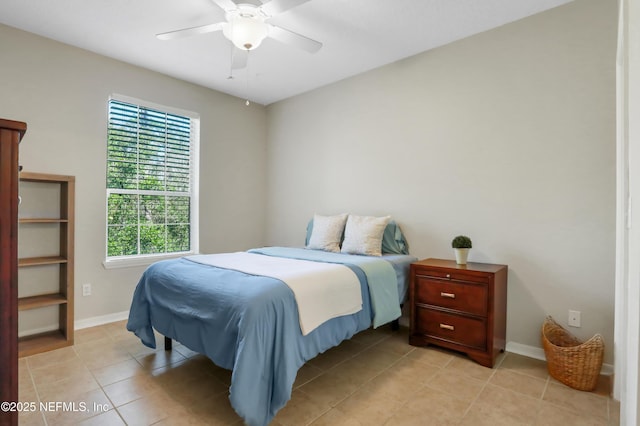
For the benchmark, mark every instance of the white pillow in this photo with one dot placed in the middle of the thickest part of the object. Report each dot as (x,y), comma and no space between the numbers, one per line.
(363,235)
(327,232)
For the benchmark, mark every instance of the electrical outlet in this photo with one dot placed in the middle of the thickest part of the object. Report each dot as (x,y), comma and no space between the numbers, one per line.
(86,289)
(574,318)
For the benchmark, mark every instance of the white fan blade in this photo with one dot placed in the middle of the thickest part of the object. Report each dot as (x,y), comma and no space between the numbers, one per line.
(225,4)
(188,32)
(293,39)
(274,7)
(239,59)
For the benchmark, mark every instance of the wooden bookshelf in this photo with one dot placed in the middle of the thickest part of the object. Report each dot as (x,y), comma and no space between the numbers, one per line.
(41,260)
(41,342)
(41,220)
(40,301)
(63,297)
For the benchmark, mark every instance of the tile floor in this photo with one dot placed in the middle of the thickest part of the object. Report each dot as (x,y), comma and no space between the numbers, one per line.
(376,378)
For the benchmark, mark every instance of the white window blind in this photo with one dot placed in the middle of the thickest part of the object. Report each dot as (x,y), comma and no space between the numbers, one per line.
(150,181)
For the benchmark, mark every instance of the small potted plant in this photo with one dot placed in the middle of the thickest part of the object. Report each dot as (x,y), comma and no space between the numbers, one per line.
(461,245)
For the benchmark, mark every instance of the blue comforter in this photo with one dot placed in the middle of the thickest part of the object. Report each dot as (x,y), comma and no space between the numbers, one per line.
(245,323)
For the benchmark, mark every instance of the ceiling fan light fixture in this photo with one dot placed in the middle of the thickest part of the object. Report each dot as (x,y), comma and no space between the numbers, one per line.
(246,32)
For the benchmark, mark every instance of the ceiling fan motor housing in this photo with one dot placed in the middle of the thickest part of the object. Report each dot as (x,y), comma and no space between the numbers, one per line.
(245,26)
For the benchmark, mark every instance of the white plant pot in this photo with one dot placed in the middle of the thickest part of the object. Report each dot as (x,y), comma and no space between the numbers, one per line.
(461,255)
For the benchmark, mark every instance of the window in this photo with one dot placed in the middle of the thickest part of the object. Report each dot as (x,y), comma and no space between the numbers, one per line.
(151,181)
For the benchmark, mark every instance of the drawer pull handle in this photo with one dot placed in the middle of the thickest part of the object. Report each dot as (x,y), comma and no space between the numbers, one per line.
(448,275)
(446,326)
(449,295)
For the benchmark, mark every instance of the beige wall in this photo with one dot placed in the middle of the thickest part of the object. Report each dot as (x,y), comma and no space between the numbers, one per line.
(507,136)
(61,92)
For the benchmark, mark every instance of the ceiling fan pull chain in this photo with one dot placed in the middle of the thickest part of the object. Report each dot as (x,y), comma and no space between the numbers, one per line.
(246,71)
(232,54)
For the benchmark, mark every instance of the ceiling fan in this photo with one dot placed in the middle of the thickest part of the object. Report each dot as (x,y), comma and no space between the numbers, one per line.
(246,27)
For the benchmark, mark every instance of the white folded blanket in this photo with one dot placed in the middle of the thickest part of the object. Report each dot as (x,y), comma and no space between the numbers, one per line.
(322,290)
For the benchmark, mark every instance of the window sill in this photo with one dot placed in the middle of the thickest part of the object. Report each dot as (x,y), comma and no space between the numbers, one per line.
(137,261)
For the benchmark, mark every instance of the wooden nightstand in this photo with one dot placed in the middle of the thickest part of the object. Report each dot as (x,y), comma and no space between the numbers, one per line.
(460,307)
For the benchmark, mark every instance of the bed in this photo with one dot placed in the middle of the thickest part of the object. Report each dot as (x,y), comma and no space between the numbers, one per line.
(254,324)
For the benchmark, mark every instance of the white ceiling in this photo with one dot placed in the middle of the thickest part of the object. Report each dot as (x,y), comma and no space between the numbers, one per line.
(357,35)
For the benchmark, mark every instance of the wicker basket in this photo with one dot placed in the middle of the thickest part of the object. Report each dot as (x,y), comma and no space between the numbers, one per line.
(570,361)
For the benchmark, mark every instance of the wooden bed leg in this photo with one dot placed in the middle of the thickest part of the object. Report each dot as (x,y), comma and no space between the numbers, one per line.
(167,343)
(395,325)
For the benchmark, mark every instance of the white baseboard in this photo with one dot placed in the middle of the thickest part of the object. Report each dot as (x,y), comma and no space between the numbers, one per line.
(403,321)
(526,350)
(538,353)
(101,320)
(513,347)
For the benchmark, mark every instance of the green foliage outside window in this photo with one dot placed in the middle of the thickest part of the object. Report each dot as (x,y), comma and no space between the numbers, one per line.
(148,181)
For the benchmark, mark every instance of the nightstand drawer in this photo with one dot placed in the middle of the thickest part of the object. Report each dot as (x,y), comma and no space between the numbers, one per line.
(456,329)
(459,275)
(464,297)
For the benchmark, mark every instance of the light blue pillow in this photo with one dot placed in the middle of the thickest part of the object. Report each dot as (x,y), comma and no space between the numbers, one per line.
(393,241)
